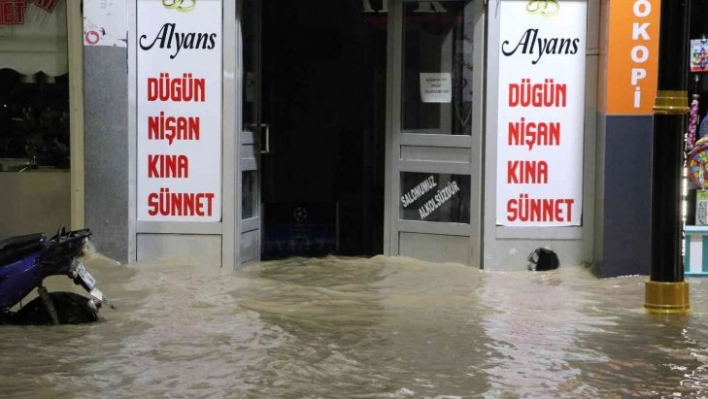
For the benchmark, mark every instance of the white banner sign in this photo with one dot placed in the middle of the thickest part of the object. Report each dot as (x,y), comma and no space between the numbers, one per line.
(541,113)
(179,110)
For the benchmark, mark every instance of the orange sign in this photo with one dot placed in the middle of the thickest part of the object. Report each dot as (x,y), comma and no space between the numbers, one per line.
(632,56)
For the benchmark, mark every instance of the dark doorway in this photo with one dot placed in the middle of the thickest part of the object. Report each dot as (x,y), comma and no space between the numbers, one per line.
(324,96)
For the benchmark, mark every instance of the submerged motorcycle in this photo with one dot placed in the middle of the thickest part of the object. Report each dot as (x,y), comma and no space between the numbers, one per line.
(25,261)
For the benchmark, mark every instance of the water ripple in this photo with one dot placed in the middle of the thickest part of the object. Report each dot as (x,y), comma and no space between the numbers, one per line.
(363,328)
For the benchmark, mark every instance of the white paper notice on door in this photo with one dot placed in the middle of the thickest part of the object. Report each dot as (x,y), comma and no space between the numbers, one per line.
(436,87)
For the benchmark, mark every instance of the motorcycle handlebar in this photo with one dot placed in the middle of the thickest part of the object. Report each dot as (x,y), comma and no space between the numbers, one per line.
(60,251)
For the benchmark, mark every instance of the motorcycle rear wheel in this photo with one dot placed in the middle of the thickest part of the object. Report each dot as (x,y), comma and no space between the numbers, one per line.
(71,309)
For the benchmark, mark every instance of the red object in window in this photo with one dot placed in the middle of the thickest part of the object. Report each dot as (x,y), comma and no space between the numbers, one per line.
(46,5)
(12,12)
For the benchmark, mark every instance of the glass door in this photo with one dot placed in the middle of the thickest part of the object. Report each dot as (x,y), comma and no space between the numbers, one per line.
(254,133)
(434,130)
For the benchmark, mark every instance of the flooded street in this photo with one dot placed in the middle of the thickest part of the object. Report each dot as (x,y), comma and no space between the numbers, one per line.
(362,328)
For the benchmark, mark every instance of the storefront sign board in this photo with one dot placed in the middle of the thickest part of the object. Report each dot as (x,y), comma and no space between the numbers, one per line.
(632,56)
(179,83)
(541,113)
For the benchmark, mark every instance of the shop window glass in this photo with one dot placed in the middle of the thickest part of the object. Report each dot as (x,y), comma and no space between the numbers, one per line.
(249,194)
(34,87)
(435,197)
(437,72)
(250,65)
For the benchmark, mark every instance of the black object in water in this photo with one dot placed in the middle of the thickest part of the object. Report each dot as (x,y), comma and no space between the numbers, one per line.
(542,259)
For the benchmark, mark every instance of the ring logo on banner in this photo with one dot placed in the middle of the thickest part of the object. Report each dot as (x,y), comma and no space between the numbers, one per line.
(179,5)
(92,37)
(547,8)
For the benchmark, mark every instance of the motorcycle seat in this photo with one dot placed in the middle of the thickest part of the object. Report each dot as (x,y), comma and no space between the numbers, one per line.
(15,248)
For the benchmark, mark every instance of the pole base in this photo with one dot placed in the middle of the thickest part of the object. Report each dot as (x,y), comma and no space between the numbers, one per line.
(666,297)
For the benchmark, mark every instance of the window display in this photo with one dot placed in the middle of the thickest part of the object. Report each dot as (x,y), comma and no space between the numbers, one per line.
(34,120)
(34,90)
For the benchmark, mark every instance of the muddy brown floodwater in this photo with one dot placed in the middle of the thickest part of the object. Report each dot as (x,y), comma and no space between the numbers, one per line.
(383,327)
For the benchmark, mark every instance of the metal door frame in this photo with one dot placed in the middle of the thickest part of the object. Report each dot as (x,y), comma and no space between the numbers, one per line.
(248,142)
(395,140)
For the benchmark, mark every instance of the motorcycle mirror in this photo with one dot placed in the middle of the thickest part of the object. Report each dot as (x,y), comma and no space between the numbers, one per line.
(60,232)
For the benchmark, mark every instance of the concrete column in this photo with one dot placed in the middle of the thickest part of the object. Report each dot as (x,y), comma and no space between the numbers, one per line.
(106,137)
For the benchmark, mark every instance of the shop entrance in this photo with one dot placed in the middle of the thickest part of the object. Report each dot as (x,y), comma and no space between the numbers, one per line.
(314,106)
(360,130)
(323,95)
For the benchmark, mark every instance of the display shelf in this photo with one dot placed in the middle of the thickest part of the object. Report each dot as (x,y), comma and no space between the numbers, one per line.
(696,251)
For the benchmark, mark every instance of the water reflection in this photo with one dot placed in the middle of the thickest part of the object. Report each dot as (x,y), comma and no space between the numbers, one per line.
(362,328)
(533,321)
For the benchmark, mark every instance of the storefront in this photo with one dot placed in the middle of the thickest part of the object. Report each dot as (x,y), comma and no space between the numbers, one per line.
(348,139)
(696,146)
(465,131)
(39,126)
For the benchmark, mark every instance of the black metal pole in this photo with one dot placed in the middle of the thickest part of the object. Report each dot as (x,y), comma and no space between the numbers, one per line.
(667,292)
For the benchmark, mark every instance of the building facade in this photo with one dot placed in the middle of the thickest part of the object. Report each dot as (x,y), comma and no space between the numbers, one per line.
(465,131)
